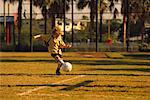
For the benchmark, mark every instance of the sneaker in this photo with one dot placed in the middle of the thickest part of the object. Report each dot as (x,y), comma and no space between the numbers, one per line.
(58,71)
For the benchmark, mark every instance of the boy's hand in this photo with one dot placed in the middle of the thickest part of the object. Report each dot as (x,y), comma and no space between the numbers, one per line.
(69,46)
(65,46)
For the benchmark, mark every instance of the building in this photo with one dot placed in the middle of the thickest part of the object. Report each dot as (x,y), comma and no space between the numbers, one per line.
(78,14)
(77,25)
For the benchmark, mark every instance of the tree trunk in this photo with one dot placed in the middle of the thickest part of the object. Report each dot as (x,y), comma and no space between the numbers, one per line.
(19,24)
(72,25)
(45,20)
(92,21)
(101,22)
(142,30)
(31,44)
(64,17)
(124,31)
(53,21)
(96,25)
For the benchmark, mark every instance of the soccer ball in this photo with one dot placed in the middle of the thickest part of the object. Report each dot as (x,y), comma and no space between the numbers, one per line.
(67,67)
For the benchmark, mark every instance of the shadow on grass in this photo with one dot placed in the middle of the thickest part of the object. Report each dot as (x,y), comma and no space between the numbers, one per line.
(84,83)
(86,62)
(109,62)
(51,75)
(69,87)
(33,85)
(118,91)
(138,56)
(120,69)
(37,60)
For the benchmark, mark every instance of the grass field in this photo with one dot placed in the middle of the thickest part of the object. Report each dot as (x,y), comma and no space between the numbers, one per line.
(95,76)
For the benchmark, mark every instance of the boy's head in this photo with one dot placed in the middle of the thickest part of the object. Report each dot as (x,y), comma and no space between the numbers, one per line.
(57,31)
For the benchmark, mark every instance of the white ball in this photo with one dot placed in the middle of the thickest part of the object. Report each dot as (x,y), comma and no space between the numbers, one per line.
(67,67)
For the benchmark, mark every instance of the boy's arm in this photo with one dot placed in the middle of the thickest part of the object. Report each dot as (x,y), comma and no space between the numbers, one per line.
(42,37)
(37,36)
(63,45)
(66,46)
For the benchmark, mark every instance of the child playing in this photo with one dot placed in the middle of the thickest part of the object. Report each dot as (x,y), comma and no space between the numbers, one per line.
(55,45)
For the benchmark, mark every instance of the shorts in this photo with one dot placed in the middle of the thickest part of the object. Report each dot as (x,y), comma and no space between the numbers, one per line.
(54,55)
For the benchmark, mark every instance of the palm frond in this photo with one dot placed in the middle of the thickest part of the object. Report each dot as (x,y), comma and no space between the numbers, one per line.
(116,12)
(111,6)
(82,4)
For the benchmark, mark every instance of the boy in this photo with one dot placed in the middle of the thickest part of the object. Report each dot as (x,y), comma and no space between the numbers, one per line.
(55,45)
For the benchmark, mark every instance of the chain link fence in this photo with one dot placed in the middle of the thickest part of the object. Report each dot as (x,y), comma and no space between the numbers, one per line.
(76,26)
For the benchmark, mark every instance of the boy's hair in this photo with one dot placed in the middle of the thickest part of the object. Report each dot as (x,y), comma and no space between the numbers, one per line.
(57,30)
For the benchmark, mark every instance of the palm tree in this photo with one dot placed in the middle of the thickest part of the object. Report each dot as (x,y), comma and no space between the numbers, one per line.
(52,8)
(19,23)
(134,10)
(49,8)
(4,15)
(91,4)
(139,10)
(103,6)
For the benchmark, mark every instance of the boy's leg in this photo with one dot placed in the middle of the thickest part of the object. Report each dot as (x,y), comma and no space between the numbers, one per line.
(58,69)
(60,62)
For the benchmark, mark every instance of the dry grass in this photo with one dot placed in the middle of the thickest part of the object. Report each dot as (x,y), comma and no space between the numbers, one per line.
(102,78)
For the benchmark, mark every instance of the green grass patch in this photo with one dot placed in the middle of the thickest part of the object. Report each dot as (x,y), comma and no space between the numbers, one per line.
(138,55)
(92,77)
(114,55)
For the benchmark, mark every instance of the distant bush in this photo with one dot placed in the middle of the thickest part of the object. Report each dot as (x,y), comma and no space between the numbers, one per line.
(144,47)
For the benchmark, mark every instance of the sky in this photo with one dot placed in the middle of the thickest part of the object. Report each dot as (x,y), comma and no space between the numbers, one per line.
(77,13)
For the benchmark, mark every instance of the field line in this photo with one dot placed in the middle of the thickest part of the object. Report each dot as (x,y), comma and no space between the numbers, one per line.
(42,87)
